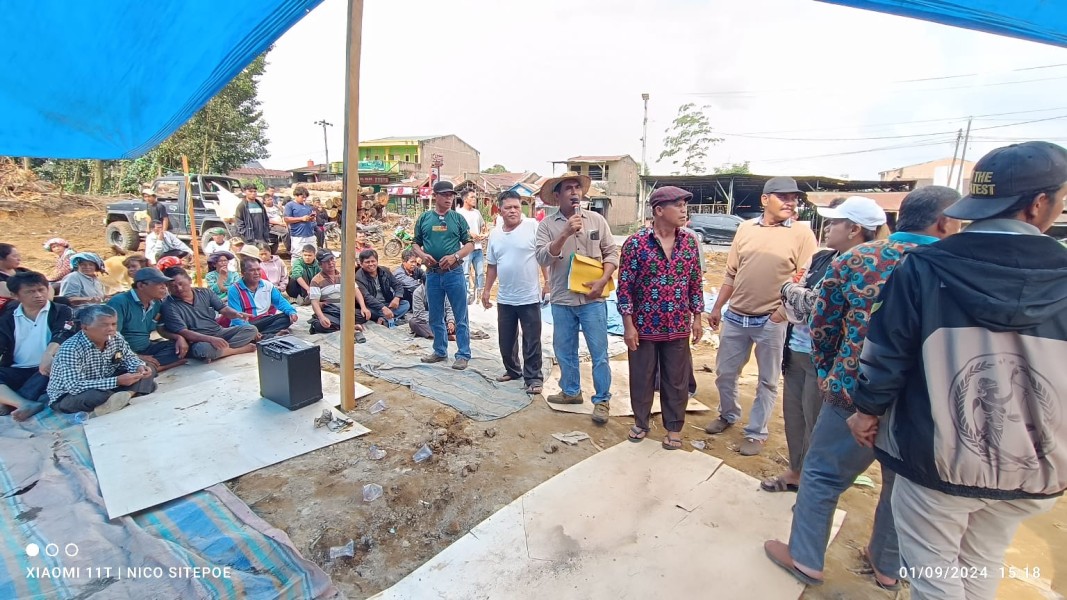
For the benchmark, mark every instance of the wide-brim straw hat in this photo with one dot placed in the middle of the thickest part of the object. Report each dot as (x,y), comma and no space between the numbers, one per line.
(548,189)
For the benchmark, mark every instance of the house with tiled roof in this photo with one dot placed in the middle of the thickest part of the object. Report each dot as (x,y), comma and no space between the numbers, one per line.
(254,171)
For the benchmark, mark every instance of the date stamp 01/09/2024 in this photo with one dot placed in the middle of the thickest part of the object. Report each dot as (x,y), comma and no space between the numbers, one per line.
(962,572)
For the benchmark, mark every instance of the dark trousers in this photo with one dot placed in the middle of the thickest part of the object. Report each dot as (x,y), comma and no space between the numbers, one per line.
(508,320)
(26,382)
(674,364)
(320,236)
(163,351)
(332,311)
(294,290)
(89,399)
(421,329)
(271,324)
(401,310)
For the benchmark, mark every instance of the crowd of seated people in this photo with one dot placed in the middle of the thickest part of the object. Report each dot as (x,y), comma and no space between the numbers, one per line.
(111,326)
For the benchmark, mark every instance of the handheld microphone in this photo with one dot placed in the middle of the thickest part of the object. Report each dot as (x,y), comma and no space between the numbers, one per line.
(576,203)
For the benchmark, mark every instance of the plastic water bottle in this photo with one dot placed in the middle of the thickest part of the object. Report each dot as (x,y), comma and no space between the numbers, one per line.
(78,418)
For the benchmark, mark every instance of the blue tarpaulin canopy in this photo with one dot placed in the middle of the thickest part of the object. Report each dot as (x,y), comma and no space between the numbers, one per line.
(113,79)
(1042,21)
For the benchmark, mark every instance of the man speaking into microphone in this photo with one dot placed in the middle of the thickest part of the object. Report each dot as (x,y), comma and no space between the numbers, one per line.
(585,233)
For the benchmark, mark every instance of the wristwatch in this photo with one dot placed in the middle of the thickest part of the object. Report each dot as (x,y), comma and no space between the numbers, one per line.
(456,256)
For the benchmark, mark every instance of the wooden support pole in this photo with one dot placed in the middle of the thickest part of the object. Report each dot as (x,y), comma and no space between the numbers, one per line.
(190,208)
(350,207)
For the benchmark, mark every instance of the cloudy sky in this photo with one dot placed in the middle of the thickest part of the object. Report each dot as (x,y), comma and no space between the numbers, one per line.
(525,83)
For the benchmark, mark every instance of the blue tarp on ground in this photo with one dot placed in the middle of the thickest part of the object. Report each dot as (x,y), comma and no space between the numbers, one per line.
(114,79)
(1042,21)
(58,542)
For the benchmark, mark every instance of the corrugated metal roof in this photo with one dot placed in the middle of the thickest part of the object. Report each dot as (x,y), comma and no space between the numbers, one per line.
(259,172)
(398,140)
(596,159)
(889,201)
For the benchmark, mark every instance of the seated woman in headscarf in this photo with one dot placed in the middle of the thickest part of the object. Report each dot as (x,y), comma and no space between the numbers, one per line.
(83,285)
(219,277)
(61,248)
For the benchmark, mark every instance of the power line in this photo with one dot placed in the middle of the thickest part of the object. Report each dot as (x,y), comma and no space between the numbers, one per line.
(824,90)
(884,137)
(865,151)
(895,123)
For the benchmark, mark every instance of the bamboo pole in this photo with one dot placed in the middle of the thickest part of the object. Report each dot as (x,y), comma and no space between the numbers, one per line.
(190,209)
(350,207)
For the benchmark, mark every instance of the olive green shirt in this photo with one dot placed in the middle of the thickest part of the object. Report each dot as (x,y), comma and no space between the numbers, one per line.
(442,235)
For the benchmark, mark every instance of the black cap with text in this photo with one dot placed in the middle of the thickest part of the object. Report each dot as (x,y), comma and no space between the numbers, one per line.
(1004,175)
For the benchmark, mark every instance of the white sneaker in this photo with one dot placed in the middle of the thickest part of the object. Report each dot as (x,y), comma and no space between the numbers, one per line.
(117,401)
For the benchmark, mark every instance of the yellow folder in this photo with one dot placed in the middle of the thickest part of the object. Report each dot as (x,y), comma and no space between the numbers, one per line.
(585,269)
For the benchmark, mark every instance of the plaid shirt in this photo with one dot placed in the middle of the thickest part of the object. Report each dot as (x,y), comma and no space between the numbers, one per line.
(80,365)
(661,295)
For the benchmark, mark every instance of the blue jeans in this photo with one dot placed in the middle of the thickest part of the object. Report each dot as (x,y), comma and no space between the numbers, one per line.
(452,285)
(592,318)
(401,310)
(478,258)
(832,463)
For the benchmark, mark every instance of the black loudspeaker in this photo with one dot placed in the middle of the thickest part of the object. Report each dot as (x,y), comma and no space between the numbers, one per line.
(290,373)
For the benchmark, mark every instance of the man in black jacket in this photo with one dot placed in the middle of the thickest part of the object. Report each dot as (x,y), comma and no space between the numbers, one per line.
(250,218)
(383,295)
(962,387)
(31,331)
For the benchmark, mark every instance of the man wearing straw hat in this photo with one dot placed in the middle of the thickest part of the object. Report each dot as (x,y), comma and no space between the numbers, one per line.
(568,232)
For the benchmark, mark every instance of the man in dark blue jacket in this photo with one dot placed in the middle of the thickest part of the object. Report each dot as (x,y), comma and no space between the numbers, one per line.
(962,388)
(31,331)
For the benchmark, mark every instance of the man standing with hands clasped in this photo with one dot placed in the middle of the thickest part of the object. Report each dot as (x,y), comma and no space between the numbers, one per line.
(511,258)
(661,297)
(575,231)
(442,240)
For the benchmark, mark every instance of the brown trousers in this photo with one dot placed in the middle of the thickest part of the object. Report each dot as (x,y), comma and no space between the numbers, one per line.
(674,363)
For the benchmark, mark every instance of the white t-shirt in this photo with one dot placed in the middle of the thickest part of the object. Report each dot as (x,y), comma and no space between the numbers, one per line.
(475,222)
(516,266)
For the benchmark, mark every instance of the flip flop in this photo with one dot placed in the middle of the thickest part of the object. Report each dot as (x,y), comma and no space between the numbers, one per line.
(671,444)
(504,377)
(789,567)
(865,554)
(534,389)
(777,484)
(637,434)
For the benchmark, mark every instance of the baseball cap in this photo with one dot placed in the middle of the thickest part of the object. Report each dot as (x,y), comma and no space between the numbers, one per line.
(781,185)
(860,210)
(150,275)
(668,194)
(1004,175)
(148,192)
(324,255)
(444,187)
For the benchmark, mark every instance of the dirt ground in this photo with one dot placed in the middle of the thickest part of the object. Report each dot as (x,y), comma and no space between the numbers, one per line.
(477,468)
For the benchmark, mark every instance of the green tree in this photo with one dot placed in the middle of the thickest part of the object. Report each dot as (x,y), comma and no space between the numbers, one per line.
(732,169)
(226,133)
(496,169)
(688,139)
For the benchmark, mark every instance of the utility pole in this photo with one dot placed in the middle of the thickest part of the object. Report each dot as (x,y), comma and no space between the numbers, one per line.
(644,163)
(963,155)
(325,144)
(955,153)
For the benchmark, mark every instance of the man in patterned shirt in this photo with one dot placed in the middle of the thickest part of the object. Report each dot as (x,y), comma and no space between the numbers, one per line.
(838,323)
(95,370)
(660,298)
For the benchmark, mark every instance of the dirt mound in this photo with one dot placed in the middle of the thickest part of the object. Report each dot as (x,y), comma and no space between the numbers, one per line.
(21,184)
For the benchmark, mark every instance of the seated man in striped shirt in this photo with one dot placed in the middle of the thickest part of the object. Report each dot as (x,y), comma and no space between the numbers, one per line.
(95,370)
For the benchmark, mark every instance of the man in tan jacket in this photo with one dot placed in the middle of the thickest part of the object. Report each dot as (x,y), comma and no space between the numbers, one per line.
(766,253)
